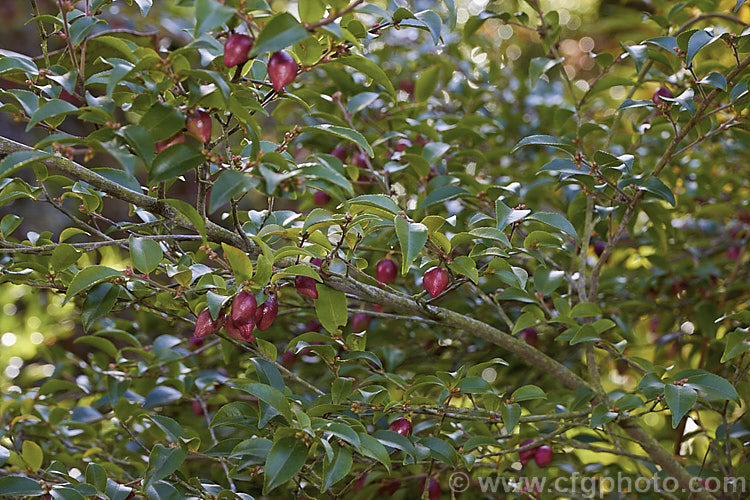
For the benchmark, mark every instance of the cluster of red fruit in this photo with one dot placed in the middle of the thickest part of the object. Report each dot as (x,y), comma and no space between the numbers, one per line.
(282,69)
(244,318)
(434,281)
(542,455)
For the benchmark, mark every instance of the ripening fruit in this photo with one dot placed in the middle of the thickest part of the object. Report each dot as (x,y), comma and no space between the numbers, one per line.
(195,341)
(435,281)
(316,261)
(662,92)
(198,123)
(543,456)
(386,271)
(313,326)
(321,198)
(267,313)
(531,336)
(401,426)
(237,49)
(599,246)
(733,252)
(527,455)
(282,70)
(389,487)
(360,322)
(359,160)
(340,153)
(288,359)
(244,306)
(175,139)
(305,285)
(205,324)
(401,145)
(434,491)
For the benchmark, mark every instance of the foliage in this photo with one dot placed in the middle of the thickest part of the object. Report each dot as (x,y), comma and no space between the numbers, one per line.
(594,232)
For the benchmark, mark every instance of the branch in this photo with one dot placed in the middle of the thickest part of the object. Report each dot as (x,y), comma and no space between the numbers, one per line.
(79,172)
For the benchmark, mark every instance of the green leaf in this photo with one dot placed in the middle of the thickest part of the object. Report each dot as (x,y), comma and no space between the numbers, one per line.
(32,454)
(282,31)
(698,41)
(441,450)
(653,185)
(709,383)
(547,280)
(20,485)
(88,277)
(140,140)
(510,414)
(4,455)
(601,415)
(506,215)
(539,66)
(174,161)
(272,397)
(162,395)
(229,184)
(19,160)
(163,461)
(145,254)
(337,469)
(162,121)
(395,440)
(378,201)
(50,109)
(240,262)
(96,476)
(343,133)
(555,220)
(144,6)
(210,14)
(585,310)
(545,140)
(330,308)
(284,461)
(442,195)
(99,301)
(586,333)
(311,11)
(191,214)
(680,400)
(736,343)
(426,83)
(412,236)
(371,448)
(465,266)
(370,69)
(64,256)
(527,393)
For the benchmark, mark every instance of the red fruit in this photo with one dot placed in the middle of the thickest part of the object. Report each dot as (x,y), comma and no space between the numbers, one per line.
(316,261)
(359,160)
(197,408)
(527,455)
(662,92)
(340,153)
(733,253)
(175,139)
(401,145)
(241,332)
(599,246)
(531,336)
(282,70)
(386,271)
(420,140)
(244,306)
(305,285)
(390,487)
(268,312)
(313,326)
(236,49)
(199,124)
(407,86)
(434,491)
(321,198)
(401,426)
(360,484)
(205,324)
(288,359)
(360,322)
(543,456)
(195,341)
(435,281)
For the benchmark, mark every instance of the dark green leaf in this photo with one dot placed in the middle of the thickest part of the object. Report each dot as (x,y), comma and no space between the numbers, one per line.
(284,461)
